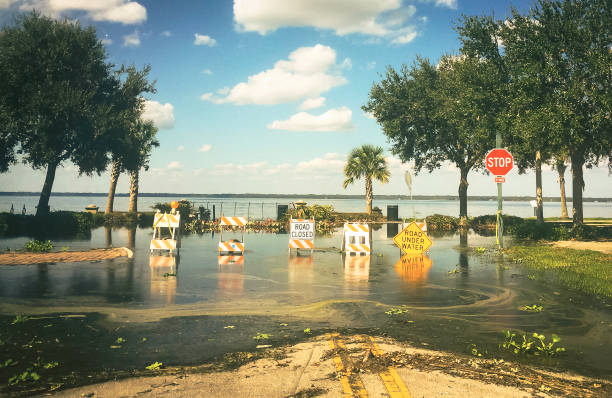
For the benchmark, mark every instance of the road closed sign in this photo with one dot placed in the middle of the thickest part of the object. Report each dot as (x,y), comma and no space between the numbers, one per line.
(301,233)
(499,161)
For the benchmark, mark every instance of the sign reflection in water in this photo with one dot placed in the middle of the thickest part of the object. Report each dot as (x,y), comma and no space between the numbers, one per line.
(300,270)
(413,269)
(356,274)
(164,278)
(231,275)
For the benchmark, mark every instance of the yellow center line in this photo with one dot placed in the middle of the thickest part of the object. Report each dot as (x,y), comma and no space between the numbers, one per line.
(393,382)
(352,386)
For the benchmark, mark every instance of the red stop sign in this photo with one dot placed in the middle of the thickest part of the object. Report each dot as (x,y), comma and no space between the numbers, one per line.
(499,162)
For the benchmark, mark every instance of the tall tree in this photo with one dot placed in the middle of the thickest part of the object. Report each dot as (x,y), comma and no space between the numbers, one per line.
(56,88)
(129,105)
(565,45)
(437,113)
(367,162)
(143,134)
(524,116)
(560,166)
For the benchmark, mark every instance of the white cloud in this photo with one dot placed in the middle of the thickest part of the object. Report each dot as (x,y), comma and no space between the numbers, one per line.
(330,163)
(306,74)
(166,33)
(204,40)
(131,40)
(180,148)
(332,120)
(206,72)
(162,115)
(106,41)
(371,65)
(382,18)
(256,168)
(205,148)
(174,165)
(346,64)
(447,3)
(312,103)
(404,39)
(121,11)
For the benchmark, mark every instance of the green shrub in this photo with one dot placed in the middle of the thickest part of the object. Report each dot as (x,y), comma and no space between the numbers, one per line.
(489,221)
(439,222)
(318,212)
(38,246)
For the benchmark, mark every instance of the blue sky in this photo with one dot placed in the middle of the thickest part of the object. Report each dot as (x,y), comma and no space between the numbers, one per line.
(265,96)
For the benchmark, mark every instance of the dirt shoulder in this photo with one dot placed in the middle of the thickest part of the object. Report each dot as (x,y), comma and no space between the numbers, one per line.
(23,258)
(338,366)
(604,247)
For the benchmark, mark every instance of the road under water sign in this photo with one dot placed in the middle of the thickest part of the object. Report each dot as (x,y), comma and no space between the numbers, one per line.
(412,240)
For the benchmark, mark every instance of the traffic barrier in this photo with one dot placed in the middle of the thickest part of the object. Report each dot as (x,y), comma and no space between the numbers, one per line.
(301,233)
(170,221)
(166,220)
(356,238)
(234,221)
(232,246)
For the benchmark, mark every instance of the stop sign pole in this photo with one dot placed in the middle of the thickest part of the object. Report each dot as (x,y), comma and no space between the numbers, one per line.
(499,225)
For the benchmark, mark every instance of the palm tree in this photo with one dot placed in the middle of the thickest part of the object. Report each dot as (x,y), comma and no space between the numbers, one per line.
(368,162)
(129,104)
(143,143)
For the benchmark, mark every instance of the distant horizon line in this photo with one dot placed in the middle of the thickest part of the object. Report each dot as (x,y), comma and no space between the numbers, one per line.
(303,196)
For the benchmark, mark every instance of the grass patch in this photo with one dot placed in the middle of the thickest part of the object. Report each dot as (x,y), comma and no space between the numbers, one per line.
(584,270)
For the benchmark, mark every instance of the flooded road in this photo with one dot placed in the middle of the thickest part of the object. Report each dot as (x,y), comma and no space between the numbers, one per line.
(103,318)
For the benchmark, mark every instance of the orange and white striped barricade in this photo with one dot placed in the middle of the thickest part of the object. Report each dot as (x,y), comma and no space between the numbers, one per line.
(232,246)
(171,223)
(301,234)
(356,238)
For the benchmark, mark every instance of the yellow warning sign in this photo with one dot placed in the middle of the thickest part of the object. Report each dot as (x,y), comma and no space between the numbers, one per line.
(412,240)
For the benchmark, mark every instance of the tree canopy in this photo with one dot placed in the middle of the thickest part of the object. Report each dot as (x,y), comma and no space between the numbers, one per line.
(59,98)
(434,113)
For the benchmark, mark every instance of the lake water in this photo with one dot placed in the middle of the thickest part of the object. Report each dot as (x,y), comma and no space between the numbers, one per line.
(195,307)
(266,208)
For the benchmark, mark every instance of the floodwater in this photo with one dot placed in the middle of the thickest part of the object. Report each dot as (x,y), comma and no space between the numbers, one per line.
(195,307)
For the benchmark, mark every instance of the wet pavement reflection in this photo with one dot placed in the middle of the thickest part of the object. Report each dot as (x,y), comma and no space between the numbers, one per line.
(455,296)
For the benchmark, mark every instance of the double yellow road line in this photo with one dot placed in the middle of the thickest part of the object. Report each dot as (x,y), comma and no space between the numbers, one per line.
(351,382)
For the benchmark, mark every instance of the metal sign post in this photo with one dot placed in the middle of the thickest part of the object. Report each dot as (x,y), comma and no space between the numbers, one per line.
(499,225)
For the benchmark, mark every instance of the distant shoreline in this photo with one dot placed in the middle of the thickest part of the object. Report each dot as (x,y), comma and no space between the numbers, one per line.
(298,196)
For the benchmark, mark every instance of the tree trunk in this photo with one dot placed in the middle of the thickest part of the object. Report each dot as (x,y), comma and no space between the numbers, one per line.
(131,235)
(113,186)
(369,195)
(43,202)
(561,171)
(108,236)
(577,187)
(133,208)
(538,173)
(463,188)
